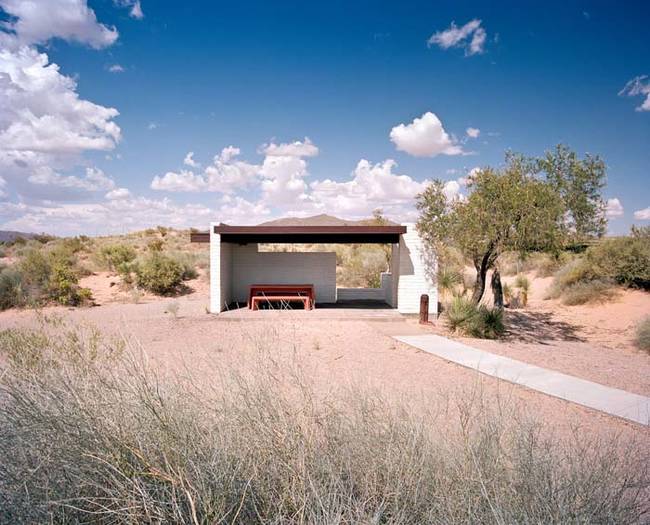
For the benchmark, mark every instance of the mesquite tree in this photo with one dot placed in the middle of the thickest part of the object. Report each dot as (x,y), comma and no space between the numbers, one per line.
(506,210)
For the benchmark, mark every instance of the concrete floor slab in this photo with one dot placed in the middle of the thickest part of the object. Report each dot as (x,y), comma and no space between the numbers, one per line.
(613,401)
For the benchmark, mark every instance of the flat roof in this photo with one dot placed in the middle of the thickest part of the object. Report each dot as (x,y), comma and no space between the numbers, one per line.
(304,234)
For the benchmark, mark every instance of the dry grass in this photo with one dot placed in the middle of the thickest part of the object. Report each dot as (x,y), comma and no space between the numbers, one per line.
(89,432)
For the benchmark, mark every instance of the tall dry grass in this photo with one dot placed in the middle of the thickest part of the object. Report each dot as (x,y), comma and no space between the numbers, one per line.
(91,432)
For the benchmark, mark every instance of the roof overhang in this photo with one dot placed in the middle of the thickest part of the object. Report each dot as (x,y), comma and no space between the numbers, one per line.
(304,234)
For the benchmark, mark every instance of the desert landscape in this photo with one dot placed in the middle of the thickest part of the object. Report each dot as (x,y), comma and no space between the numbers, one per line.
(296,263)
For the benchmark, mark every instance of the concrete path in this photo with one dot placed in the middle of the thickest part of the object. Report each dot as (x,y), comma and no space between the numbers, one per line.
(613,401)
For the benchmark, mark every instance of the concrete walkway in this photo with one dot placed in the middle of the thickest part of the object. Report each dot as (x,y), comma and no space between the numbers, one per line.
(613,401)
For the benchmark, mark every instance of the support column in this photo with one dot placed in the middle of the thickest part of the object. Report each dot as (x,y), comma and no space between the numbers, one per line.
(416,273)
(215,270)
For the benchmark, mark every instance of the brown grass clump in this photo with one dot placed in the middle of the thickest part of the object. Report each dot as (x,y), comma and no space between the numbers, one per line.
(642,339)
(90,433)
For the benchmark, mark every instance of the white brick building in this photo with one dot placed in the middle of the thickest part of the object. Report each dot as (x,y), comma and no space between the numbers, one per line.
(236,263)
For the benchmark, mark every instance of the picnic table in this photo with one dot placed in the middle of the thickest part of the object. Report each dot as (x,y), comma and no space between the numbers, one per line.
(268,293)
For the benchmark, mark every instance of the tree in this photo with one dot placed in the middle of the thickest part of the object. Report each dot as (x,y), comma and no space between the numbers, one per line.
(507,210)
(580,183)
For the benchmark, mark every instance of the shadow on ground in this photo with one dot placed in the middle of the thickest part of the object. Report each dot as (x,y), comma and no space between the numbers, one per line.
(540,328)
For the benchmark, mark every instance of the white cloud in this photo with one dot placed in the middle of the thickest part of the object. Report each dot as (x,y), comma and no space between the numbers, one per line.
(37,21)
(614,208)
(238,210)
(424,137)
(642,215)
(184,180)
(294,149)
(115,68)
(226,174)
(371,186)
(638,86)
(116,215)
(460,37)
(152,125)
(473,133)
(94,180)
(189,160)
(3,185)
(118,194)
(134,6)
(283,179)
(42,112)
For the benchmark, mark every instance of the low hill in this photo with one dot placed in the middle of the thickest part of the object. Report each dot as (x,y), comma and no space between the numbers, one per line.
(320,220)
(8,235)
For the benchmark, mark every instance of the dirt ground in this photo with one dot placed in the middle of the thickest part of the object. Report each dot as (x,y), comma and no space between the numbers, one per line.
(357,351)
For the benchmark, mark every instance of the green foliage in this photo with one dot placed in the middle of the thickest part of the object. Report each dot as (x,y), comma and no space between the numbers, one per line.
(580,183)
(640,232)
(155,245)
(465,317)
(159,274)
(115,256)
(626,260)
(642,336)
(505,211)
(11,289)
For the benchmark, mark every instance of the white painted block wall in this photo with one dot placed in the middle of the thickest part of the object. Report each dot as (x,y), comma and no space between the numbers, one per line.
(249,266)
(415,269)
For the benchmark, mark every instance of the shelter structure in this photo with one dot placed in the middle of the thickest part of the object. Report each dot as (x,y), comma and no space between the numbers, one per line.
(236,264)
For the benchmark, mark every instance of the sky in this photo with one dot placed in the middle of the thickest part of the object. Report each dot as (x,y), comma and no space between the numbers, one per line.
(117,115)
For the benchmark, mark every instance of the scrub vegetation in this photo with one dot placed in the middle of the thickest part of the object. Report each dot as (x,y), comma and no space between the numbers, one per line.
(91,433)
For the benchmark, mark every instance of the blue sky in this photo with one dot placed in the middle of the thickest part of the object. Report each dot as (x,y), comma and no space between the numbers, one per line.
(310,99)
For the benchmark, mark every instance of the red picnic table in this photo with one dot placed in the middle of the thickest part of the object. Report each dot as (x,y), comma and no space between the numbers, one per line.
(281,292)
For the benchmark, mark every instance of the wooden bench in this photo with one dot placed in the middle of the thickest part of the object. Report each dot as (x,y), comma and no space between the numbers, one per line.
(279,298)
(281,292)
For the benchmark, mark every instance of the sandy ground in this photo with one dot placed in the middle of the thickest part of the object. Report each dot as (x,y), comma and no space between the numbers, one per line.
(354,351)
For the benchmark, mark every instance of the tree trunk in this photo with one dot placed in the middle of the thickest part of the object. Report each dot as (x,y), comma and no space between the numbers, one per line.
(481,273)
(497,289)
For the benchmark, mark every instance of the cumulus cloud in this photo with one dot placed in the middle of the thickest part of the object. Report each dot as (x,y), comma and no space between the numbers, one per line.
(371,186)
(283,179)
(189,160)
(118,194)
(115,68)
(424,137)
(226,174)
(3,185)
(473,133)
(642,215)
(184,180)
(37,21)
(470,36)
(614,208)
(305,148)
(94,180)
(638,86)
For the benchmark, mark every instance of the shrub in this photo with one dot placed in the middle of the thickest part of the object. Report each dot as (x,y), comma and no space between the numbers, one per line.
(115,255)
(448,280)
(155,245)
(91,434)
(523,284)
(626,260)
(596,291)
(159,274)
(475,321)
(63,284)
(35,268)
(642,339)
(11,290)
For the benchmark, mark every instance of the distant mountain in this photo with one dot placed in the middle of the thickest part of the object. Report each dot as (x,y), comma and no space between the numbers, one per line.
(319,220)
(7,235)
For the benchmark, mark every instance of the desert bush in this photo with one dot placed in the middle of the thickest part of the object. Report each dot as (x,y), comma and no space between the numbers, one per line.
(449,279)
(159,274)
(3,252)
(11,288)
(115,255)
(642,337)
(625,260)
(92,434)
(582,292)
(464,317)
(523,285)
(155,245)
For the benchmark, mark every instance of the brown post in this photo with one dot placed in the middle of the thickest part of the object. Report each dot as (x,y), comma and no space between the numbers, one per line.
(424,309)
